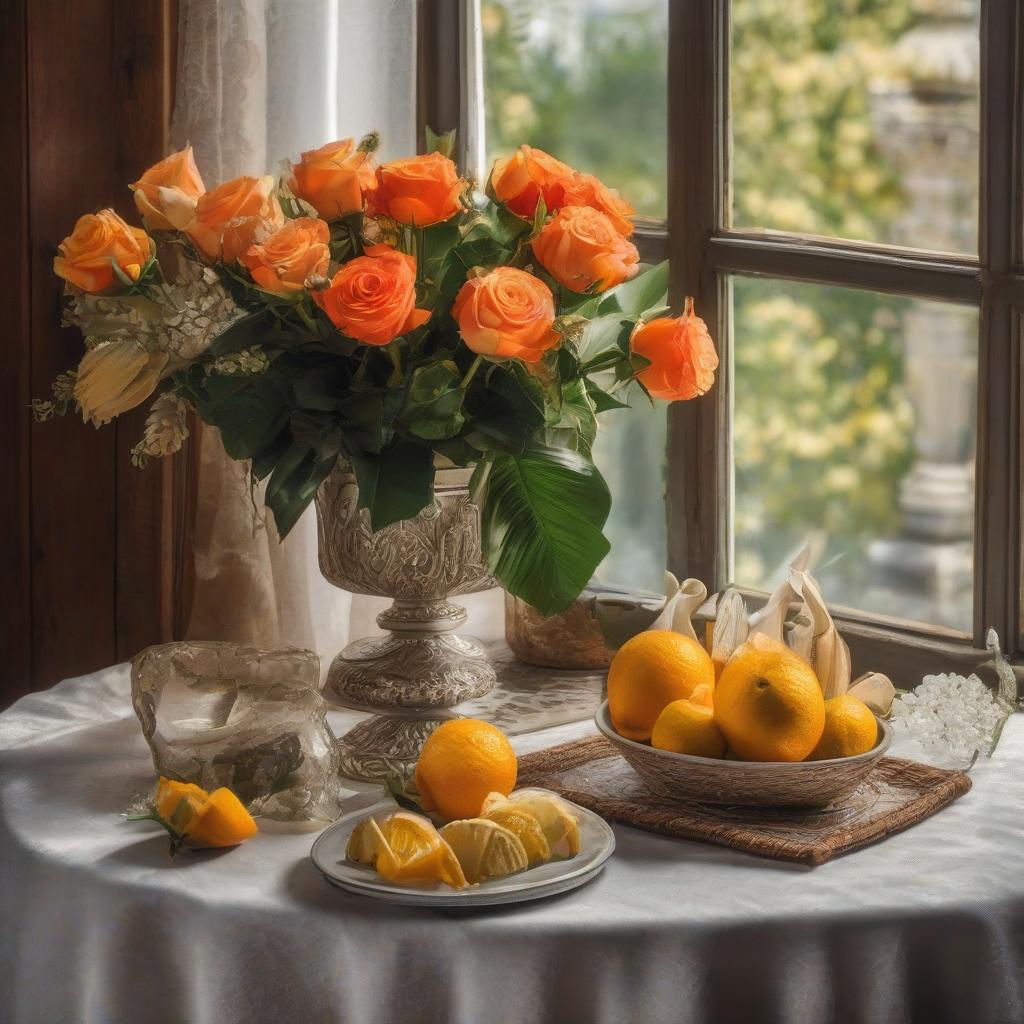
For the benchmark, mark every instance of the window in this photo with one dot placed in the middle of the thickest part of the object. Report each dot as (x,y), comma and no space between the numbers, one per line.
(842,195)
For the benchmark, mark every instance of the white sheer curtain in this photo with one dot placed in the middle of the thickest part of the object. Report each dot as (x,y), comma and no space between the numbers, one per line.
(259,81)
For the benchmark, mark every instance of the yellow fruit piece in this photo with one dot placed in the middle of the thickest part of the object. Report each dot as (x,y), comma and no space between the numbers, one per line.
(461,762)
(221,820)
(769,706)
(648,673)
(526,828)
(688,727)
(557,822)
(405,848)
(484,849)
(169,795)
(850,728)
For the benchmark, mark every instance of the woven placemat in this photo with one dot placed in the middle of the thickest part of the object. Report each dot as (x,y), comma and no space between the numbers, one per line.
(896,795)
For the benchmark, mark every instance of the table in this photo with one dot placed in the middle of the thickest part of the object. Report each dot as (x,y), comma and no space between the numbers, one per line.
(97,925)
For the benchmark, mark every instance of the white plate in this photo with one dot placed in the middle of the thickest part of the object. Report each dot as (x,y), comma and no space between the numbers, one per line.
(597,841)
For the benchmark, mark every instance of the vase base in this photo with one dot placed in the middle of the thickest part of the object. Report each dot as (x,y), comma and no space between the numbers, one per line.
(386,745)
(422,671)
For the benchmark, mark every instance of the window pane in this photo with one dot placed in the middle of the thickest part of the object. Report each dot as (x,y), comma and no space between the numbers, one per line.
(857,120)
(585,81)
(854,429)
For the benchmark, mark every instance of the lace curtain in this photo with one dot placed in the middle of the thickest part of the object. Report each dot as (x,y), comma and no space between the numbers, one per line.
(259,81)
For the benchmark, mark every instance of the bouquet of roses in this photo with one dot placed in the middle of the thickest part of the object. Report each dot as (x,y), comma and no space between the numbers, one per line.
(393,317)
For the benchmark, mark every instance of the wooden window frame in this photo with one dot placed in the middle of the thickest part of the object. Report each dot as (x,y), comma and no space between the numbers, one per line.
(705,254)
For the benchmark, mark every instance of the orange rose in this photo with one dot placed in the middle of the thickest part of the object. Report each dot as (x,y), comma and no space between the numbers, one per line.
(580,248)
(333,178)
(99,241)
(506,314)
(166,194)
(586,190)
(233,216)
(420,190)
(293,253)
(373,297)
(682,354)
(527,174)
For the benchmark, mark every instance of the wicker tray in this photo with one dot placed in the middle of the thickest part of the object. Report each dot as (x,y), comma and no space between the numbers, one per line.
(896,795)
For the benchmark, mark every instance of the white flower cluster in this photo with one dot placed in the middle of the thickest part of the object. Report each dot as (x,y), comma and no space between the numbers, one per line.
(947,721)
(166,429)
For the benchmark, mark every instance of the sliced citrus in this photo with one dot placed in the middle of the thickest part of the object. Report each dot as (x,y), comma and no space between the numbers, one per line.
(524,825)
(405,848)
(485,849)
(221,821)
(169,795)
(559,825)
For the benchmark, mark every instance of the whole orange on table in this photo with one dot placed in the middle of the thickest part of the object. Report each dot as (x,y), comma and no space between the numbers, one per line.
(462,762)
(649,672)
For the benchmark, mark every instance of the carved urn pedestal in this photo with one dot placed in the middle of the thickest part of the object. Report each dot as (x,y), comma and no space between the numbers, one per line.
(411,678)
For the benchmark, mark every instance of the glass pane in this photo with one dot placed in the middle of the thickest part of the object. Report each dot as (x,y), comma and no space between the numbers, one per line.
(584,80)
(854,430)
(630,453)
(857,120)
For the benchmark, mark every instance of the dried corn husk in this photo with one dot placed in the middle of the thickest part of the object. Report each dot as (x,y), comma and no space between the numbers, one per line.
(730,627)
(875,690)
(814,636)
(770,619)
(682,600)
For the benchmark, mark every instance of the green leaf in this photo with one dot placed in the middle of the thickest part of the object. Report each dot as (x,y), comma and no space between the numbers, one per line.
(604,335)
(443,144)
(541,518)
(434,409)
(603,401)
(577,415)
(369,416)
(397,484)
(523,392)
(296,477)
(647,290)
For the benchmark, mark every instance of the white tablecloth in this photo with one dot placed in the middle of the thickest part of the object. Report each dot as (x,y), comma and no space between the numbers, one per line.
(98,925)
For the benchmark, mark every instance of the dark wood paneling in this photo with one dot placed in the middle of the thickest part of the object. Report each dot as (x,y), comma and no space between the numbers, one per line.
(88,556)
(15,347)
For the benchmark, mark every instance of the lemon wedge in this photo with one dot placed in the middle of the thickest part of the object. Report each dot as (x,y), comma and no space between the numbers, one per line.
(484,848)
(527,828)
(559,825)
(407,849)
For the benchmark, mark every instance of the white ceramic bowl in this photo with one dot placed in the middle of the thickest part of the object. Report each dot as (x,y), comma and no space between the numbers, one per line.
(710,780)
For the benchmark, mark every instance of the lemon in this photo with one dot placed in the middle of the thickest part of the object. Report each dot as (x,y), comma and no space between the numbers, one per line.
(526,827)
(850,728)
(559,825)
(769,706)
(484,848)
(648,673)
(688,727)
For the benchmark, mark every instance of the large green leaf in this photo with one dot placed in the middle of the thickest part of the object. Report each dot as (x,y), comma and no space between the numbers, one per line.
(396,484)
(647,290)
(434,408)
(298,473)
(541,516)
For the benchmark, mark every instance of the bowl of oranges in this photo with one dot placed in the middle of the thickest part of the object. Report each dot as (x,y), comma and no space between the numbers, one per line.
(756,730)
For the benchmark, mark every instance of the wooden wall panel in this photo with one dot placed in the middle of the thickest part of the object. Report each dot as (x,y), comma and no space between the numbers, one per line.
(87,550)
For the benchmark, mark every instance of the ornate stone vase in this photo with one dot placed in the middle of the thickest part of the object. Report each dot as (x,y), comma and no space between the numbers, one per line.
(410,678)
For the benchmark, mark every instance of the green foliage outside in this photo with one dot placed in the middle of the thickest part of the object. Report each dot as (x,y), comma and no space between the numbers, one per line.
(822,425)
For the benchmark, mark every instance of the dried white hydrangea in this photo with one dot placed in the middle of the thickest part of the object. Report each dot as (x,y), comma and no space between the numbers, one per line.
(181,317)
(166,429)
(247,362)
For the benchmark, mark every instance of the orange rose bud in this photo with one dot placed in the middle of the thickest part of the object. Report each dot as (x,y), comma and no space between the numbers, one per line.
(234,216)
(521,179)
(682,354)
(333,178)
(292,254)
(506,314)
(99,241)
(373,297)
(420,190)
(166,194)
(580,249)
(586,190)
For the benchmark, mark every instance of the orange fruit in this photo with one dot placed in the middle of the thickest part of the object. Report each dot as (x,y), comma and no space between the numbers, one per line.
(461,762)
(850,728)
(769,706)
(405,848)
(169,795)
(649,672)
(688,726)
(221,821)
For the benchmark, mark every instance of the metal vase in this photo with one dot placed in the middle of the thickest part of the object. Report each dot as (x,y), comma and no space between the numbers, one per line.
(410,677)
